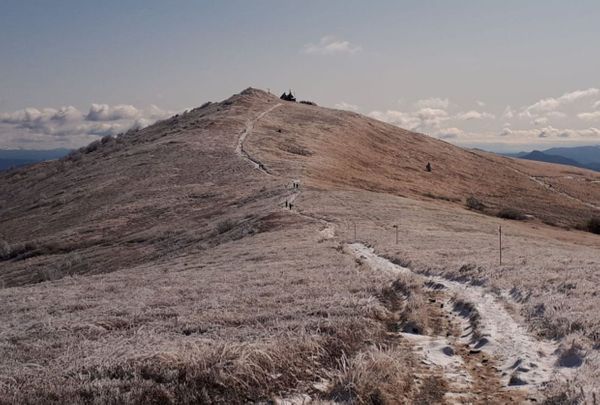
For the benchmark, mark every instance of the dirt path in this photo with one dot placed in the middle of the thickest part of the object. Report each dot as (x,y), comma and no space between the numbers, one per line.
(540,181)
(239,149)
(493,355)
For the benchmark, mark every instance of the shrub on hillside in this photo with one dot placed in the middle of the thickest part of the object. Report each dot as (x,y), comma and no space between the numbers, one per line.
(91,147)
(5,250)
(593,225)
(225,225)
(73,156)
(308,102)
(474,204)
(511,213)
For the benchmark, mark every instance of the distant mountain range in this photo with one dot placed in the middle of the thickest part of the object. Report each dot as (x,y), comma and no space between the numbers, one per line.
(22,157)
(586,157)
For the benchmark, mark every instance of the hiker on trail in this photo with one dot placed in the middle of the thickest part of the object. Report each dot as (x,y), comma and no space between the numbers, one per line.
(286,203)
(291,205)
(428,167)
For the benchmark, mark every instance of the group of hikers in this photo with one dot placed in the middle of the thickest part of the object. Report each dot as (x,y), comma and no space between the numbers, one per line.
(296,185)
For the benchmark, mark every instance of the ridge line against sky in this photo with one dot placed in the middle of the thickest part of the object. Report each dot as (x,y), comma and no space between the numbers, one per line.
(502,76)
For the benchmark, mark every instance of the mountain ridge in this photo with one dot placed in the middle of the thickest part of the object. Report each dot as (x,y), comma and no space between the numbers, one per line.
(127,195)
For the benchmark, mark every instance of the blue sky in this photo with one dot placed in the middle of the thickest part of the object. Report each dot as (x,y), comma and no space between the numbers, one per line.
(504,75)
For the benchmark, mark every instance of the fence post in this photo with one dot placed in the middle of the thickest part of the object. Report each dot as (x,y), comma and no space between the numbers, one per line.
(500,242)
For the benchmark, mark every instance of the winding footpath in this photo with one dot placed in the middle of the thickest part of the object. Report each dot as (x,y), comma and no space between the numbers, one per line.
(239,149)
(520,360)
(539,180)
(491,359)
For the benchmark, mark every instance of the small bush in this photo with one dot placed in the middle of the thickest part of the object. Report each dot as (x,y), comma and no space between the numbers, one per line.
(18,251)
(5,250)
(308,102)
(474,204)
(225,225)
(298,150)
(73,156)
(511,213)
(593,225)
(107,139)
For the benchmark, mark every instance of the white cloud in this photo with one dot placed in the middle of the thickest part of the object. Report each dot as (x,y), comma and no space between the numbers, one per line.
(424,119)
(556,114)
(480,103)
(549,132)
(330,45)
(104,112)
(474,115)
(433,102)
(589,116)
(596,104)
(508,113)
(432,117)
(68,127)
(450,133)
(551,103)
(346,106)
(540,121)
(399,118)
(34,117)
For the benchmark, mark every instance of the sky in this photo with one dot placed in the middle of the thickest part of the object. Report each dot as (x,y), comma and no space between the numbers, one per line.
(498,75)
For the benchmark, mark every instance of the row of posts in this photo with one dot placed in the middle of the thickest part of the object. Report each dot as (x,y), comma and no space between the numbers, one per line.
(499,239)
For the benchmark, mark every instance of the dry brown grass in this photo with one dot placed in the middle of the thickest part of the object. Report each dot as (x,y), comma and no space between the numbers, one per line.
(195,329)
(376,376)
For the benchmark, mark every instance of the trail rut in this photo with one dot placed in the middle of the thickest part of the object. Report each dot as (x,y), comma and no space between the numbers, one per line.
(517,360)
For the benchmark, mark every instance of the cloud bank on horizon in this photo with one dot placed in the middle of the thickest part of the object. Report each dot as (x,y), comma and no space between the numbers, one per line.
(67,127)
(573,116)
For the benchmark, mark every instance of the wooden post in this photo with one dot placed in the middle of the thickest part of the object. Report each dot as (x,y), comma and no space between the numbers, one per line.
(500,242)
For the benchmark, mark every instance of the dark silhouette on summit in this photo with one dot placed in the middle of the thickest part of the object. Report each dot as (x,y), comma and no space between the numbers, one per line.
(288,97)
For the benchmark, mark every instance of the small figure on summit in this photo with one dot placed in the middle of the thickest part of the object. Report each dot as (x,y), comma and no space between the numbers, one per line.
(288,97)
(428,167)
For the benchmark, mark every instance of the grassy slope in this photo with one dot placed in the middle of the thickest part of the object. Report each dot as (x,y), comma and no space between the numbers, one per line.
(266,307)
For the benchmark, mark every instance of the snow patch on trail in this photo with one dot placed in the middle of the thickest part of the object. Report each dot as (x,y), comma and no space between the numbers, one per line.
(328,232)
(363,252)
(437,351)
(525,361)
